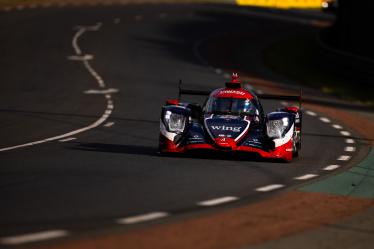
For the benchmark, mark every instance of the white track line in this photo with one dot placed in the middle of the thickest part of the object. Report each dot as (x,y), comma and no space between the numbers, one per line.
(102,91)
(217,201)
(94,74)
(109,124)
(101,120)
(97,123)
(338,127)
(77,49)
(325,120)
(67,139)
(345,133)
(305,177)
(350,141)
(85,57)
(269,187)
(331,167)
(310,113)
(350,149)
(81,31)
(142,218)
(344,158)
(33,237)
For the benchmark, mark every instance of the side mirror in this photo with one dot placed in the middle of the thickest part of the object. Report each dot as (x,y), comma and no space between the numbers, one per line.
(172,102)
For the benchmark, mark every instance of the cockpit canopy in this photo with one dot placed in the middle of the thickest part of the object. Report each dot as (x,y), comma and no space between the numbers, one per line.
(230,106)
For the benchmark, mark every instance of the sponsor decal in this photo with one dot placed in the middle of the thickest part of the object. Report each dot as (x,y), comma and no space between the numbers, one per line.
(195,137)
(232,92)
(224,135)
(226,128)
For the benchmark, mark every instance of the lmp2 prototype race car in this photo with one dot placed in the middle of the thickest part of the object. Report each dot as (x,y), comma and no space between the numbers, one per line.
(231,120)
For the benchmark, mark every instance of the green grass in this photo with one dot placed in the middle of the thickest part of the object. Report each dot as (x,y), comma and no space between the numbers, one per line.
(298,59)
(355,182)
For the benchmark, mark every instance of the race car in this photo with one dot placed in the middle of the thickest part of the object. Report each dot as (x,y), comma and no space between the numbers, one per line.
(231,120)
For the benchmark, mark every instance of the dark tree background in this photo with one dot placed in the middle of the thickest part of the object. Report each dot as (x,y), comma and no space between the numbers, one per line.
(354,29)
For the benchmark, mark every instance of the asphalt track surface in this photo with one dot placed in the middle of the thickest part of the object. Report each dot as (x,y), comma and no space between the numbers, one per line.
(114,171)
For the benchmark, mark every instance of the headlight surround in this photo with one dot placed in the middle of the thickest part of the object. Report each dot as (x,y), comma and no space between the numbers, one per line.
(275,128)
(175,122)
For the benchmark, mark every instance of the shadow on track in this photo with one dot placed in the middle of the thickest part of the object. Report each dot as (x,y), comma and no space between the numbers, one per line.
(117,148)
(309,134)
(44,115)
(153,151)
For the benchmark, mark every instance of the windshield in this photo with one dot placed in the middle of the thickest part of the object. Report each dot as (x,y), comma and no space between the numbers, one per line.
(230,106)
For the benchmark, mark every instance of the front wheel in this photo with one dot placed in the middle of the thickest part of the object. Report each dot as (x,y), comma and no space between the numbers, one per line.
(296,143)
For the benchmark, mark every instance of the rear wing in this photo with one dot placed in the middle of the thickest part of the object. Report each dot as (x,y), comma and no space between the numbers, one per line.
(182,91)
(296,98)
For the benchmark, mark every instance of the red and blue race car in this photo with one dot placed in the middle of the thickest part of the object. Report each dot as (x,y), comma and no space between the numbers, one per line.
(231,120)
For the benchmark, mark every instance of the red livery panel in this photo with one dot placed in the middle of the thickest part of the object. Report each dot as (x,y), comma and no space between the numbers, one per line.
(231,119)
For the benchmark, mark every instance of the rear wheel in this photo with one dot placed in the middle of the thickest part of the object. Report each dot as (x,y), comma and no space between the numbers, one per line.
(296,144)
(295,154)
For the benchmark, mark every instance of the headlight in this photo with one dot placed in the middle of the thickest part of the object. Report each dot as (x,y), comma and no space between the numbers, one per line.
(175,122)
(275,128)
